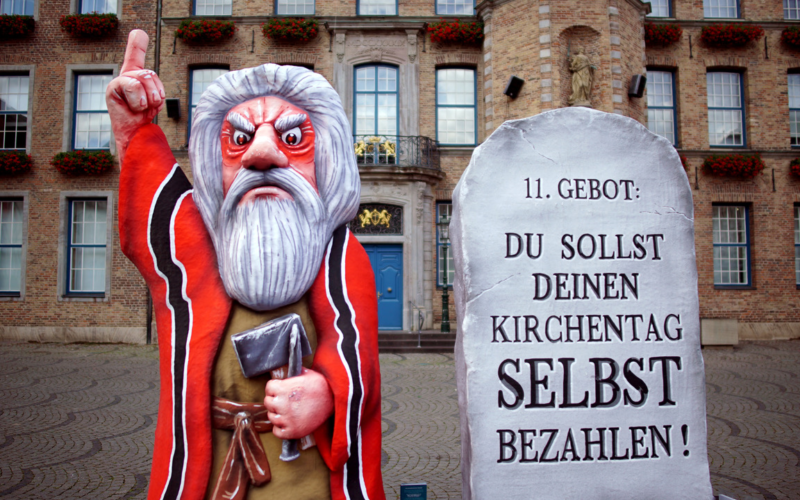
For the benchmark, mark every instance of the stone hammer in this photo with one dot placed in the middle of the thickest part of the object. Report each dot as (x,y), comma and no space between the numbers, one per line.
(268,348)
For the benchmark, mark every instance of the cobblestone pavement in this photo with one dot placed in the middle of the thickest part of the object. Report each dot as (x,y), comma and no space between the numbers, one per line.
(77,421)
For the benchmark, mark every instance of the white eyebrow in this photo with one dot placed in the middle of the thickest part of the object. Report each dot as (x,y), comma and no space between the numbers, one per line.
(240,123)
(287,123)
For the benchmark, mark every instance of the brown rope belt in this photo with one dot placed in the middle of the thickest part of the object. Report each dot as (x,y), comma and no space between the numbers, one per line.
(246,461)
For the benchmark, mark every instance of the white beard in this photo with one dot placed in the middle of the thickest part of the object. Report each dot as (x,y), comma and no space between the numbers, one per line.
(270,250)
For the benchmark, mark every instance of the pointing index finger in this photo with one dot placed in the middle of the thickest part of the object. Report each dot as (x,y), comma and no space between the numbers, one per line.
(135,51)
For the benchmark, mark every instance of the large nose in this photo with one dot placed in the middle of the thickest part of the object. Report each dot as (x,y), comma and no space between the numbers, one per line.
(264,152)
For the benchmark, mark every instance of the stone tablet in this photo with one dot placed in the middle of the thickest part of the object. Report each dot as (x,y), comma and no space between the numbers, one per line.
(578,354)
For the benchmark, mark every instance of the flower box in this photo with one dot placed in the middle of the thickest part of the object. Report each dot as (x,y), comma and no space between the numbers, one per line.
(456,32)
(661,34)
(205,31)
(742,166)
(730,35)
(794,167)
(16,26)
(685,162)
(290,29)
(83,162)
(791,37)
(14,162)
(90,25)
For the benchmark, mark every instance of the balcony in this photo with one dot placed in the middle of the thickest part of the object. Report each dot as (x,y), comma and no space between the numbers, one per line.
(405,152)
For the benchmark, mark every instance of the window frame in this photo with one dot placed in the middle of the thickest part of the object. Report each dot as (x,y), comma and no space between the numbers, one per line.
(275,10)
(75,113)
(791,73)
(376,92)
(436,7)
(796,210)
(35,5)
(673,72)
(23,70)
(194,11)
(747,245)
(65,221)
(396,10)
(475,105)
(738,11)
(191,90)
(70,100)
(670,12)
(786,9)
(18,195)
(75,7)
(439,246)
(741,109)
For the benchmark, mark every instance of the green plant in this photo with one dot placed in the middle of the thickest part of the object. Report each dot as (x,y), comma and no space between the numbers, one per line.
(661,34)
(83,162)
(456,32)
(290,29)
(730,35)
(791,37)
(734,165)
(16,26)
(92,25)
(14,162)
(205,31)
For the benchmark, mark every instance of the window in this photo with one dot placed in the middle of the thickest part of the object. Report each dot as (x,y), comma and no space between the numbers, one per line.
(99,6)
(731,245)
(443,209)
(660,8)
(377,7)
(86,252)
(91,126)
(797,245)
(294,7)
(725,109)
(456,111)
(791,9)
(455,7)
(10,246)
(16,7)
(212,7)
(721,8)
(200,80)
(661,104)
(376,100)
(794,108)
(14,111)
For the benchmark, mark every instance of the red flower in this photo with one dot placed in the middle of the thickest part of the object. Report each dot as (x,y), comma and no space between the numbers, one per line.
(205,31)
(16,26)
(90,25)
(14,162)
(791,37)
(456,32)
(83,162)
(794,167)
(743,166)
(661,34)
(291,29)
(730,35)
(685,162)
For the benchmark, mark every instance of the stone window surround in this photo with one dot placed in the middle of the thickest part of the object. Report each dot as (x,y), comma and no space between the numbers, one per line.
(63,231)
(69,99)
(23,259)
(474,68)
(75,4)
(19,69)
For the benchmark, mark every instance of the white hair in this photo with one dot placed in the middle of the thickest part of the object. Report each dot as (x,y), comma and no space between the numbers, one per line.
(336,170)
(269,251)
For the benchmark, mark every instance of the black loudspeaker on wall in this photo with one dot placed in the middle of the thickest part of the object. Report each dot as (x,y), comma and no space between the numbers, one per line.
(636,88)
(174,108)
(513,87)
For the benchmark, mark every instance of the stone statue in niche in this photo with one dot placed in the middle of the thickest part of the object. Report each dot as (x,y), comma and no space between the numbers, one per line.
(582,75)
(260,236)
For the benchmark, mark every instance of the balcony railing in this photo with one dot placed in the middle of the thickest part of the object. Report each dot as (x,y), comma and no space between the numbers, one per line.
(397,151)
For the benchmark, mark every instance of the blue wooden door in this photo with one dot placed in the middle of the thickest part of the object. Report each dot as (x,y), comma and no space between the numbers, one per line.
(387,264)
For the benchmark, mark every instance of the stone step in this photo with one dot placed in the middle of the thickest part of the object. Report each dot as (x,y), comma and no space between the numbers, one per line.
(404,342)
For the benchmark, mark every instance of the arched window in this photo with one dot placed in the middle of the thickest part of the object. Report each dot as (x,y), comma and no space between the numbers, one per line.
(375,100)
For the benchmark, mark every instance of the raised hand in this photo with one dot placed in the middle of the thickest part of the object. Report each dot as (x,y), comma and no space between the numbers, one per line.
(296,406)
(136,96)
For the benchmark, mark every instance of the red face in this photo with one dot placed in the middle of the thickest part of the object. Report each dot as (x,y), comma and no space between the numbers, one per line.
(265,133)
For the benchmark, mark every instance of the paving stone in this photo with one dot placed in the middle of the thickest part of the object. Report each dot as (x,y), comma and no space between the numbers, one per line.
(77,421)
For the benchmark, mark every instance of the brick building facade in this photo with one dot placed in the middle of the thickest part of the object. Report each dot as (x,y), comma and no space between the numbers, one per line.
(418,109)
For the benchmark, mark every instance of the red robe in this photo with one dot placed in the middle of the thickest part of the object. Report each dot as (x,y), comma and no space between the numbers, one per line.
(162,232)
